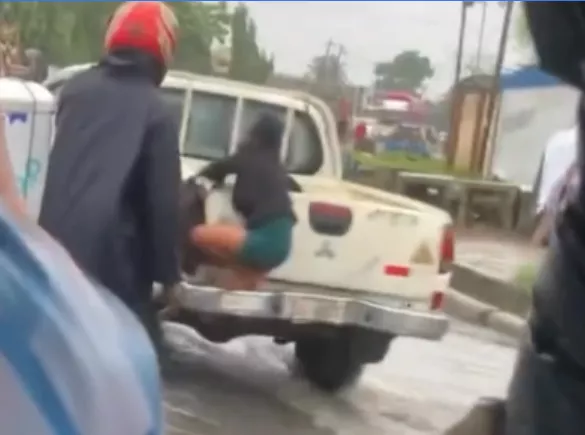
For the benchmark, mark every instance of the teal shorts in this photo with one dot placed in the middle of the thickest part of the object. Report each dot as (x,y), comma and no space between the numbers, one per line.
(268,246)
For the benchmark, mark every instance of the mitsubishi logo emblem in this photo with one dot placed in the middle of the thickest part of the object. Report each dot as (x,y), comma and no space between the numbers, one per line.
(325,251)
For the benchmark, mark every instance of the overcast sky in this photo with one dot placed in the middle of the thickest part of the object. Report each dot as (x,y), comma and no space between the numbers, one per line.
(375,31)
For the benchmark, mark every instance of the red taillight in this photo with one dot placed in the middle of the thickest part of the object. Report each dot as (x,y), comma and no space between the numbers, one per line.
(447,250)
(437,301)
(330,219)
(329,210)
(394,270)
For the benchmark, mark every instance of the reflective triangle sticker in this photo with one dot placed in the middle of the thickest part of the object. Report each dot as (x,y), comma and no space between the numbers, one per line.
(422,255)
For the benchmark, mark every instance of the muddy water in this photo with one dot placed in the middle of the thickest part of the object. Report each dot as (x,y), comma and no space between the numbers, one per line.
(249,386)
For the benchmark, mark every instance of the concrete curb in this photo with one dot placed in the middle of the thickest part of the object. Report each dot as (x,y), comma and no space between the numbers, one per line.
(492,291)
(471,310)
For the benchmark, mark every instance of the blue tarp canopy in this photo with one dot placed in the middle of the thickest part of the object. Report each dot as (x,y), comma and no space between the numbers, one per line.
(527,77)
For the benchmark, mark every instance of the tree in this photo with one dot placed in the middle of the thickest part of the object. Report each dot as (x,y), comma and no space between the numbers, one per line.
(73,32)
(200,24)
(327,70)
(408,71)
(327,78)
(248,62)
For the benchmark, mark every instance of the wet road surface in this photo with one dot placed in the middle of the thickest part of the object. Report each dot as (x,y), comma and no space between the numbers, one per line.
(249,387)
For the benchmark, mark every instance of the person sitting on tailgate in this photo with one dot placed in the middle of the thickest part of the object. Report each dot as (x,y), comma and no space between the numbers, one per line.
(261,197)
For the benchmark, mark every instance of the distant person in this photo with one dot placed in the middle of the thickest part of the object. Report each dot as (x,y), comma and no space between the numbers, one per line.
(261,196)
(558,197)
(112,188)
(74,360)
(559,154)
(360,132)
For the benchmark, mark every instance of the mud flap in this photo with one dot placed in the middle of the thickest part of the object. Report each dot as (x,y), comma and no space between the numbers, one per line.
(545,397)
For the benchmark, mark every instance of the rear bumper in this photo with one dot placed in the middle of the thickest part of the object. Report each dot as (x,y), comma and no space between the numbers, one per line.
(303,309)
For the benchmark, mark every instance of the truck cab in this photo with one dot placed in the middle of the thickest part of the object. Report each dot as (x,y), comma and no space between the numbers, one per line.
(367,266)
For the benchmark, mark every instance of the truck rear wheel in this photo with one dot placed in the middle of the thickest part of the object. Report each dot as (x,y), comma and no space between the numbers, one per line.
(334,363)
(328,363)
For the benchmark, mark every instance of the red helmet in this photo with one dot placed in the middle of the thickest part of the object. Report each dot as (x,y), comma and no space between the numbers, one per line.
(148,26)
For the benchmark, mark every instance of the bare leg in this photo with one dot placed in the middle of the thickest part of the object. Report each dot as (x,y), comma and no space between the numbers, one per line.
(223,242)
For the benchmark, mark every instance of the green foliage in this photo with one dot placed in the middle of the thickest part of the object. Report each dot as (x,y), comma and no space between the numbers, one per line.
(408,71)
(405,161)
(327,70)
(73,32)
(200,24)
(248,62)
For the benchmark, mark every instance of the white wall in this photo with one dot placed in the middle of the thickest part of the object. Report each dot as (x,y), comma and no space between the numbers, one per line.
(528,117)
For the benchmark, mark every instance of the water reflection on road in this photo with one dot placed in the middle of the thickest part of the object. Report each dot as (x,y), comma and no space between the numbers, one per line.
(249,386)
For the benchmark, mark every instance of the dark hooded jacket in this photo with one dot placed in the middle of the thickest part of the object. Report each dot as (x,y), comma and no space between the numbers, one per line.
(112,188)
(547,393)
(262,183)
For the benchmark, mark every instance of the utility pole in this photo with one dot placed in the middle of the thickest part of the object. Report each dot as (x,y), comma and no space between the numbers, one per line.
(337,62)
(461,41)
(495,91)
(327,66)
(453,129)
(481,35)
(329,47)
(341,52)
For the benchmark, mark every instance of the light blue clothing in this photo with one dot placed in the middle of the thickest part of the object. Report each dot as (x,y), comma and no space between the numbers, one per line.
(73,360)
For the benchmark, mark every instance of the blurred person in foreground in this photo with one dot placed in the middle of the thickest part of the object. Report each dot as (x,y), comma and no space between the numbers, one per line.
(547,392)
(546,395)
(112,188)
(59,373)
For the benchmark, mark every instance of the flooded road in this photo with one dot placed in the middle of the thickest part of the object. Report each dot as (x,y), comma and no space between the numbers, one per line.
(249,386)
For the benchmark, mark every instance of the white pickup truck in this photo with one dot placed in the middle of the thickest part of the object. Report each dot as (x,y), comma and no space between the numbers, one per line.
(367,266)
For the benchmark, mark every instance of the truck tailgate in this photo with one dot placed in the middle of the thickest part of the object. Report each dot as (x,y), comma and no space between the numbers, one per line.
(361,245)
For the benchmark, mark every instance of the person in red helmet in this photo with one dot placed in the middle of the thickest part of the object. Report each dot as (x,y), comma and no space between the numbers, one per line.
(112,187)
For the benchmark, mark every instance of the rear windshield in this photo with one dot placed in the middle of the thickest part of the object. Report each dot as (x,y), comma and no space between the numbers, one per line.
(211,125)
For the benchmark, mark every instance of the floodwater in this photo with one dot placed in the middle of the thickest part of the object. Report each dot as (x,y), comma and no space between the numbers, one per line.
(250,386)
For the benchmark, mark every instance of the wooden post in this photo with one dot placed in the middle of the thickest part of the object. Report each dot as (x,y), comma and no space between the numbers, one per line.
(495,90)
(462,27)
(453,127)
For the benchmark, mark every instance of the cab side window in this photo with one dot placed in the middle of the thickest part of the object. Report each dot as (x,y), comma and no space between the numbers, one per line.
(209,126)
(305,151)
